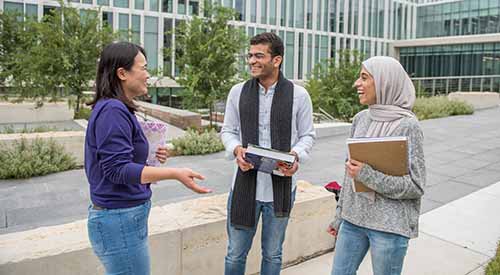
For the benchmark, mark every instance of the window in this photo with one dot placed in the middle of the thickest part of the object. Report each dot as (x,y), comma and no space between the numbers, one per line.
(253,11)
(107,18)
(181,6)
(136,29)
(310,61)
(301,55)
(263,11)
(167,6)
(309,15)
(240,9)
(289,54)
(272,12)
(32,10)
(299,15)
(123,26)
(151,41)
(139,4)
(167,44)
(13,7)
(120,3)
(103,2)
(283,13)
(194,8)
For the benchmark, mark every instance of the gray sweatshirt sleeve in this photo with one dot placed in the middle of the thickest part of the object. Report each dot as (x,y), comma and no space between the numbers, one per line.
(338,211)
(400,187)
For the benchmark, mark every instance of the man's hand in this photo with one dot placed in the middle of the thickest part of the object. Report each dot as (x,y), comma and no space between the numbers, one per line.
(288,171)
(239,152)
(353,167)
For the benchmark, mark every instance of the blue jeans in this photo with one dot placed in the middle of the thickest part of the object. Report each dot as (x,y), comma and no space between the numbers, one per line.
(119,238)
(240,240)
(388,250)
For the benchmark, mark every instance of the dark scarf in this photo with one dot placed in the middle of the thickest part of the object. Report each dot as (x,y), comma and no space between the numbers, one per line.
(243,200)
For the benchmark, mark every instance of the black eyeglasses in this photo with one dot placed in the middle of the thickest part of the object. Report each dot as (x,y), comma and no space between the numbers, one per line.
(258,56)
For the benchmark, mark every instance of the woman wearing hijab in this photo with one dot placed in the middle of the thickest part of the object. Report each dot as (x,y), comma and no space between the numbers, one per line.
(384,220)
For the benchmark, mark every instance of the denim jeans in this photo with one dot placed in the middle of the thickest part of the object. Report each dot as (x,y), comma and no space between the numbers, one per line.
(119,238)
(240,240)
(388,250)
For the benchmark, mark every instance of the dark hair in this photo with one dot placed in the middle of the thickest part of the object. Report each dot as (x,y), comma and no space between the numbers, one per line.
(274,41)
(107,84)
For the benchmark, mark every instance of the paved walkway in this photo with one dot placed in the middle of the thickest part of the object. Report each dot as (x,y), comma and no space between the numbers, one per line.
(458,238)
(462,156)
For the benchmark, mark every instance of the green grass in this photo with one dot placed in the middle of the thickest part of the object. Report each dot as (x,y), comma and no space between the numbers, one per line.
(26,159)
(440,106)
(196,143)
(84,113)
(493,267)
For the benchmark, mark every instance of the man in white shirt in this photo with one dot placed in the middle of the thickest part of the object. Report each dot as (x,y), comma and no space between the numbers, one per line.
(270,111)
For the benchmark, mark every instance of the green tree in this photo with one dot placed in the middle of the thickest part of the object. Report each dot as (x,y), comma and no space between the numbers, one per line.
(15,37)
(64,54)
(331,85)
(207,50)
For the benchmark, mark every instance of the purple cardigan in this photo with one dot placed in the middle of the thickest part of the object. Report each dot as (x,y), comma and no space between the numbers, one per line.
(116,151)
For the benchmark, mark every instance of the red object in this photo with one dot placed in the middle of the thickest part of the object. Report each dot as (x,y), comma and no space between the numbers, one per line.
(333,187)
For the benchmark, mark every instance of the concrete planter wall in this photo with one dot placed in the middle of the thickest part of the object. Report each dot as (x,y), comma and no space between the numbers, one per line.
(477,99)
(186,238)
(26,112)
(179,118)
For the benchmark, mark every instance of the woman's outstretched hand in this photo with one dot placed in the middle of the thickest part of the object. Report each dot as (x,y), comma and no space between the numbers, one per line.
(187,177)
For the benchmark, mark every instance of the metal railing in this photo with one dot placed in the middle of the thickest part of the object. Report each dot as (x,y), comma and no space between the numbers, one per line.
(448,84)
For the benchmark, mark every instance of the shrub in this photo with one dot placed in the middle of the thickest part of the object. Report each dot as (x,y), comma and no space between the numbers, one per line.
(9,129)
(440,106)
(196,143)
(83,113)
(331,85)
(26,159)
(493,267)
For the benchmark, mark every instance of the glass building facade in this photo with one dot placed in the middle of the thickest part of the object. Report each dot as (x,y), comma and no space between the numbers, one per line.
(467,17)
(452,60)
(314,30)
(460,59)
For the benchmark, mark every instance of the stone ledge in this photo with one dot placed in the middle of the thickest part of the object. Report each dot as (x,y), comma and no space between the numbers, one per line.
(332,129)
(179,118)
(26,112)
(479,100)
(186,238)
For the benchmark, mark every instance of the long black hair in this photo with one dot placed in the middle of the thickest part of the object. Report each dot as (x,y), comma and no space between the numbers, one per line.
(107,84)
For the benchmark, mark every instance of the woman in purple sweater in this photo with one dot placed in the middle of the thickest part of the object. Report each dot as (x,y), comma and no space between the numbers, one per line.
(115,163)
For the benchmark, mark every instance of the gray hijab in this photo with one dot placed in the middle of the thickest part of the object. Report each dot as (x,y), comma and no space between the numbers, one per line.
(395,95)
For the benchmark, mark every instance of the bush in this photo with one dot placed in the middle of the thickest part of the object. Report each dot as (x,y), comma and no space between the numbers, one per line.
(331,85)
(9,129)
(84,113)
(195,143)
(29,159)
(493,267)
(440,106)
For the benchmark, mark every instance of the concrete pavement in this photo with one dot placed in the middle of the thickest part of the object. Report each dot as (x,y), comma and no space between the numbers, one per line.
(462,155)
(457,238)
